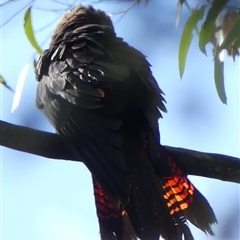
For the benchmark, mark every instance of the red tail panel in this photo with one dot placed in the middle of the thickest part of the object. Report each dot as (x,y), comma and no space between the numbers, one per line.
(105,208)
(113,220)
(179,190)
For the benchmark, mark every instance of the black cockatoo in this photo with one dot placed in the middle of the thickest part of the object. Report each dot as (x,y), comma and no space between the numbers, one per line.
(101,97)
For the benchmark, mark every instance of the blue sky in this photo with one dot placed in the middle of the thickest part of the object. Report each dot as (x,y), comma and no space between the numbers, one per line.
(44,199)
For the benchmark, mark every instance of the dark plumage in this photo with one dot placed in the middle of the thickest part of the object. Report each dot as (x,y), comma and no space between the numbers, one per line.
(101,97)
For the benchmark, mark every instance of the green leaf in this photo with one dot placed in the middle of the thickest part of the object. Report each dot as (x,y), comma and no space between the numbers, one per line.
(29,30)
(233,35)
(207,28)
(34,64)
(186,38)
(2,81)
(219,79)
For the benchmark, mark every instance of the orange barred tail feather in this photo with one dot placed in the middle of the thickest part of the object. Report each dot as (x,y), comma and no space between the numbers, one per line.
(113,221)
(183,197)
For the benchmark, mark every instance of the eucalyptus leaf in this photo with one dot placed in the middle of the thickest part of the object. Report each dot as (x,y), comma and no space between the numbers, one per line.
(219,79)
(187,36)
(179,10)
(19,87)
(4,83)
(34,64)
(29,30)
(207,28)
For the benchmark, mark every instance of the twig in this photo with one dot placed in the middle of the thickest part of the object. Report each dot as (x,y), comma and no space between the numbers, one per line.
(19,11)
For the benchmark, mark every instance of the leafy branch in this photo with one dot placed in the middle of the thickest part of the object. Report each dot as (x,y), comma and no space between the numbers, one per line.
(220,26)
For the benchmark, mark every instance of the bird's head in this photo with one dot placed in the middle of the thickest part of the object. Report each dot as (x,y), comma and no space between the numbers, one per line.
(81,16)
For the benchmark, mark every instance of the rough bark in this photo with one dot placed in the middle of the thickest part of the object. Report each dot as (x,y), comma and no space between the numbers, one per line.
(49,145)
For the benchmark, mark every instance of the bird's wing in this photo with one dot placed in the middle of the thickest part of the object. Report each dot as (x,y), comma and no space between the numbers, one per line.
(79,88)
(84,89)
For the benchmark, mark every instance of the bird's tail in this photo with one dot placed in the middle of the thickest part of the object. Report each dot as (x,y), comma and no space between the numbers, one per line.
(183,198)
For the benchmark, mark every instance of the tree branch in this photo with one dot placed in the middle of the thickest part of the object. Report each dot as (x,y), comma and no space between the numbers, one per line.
(33,141)
(50,145)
